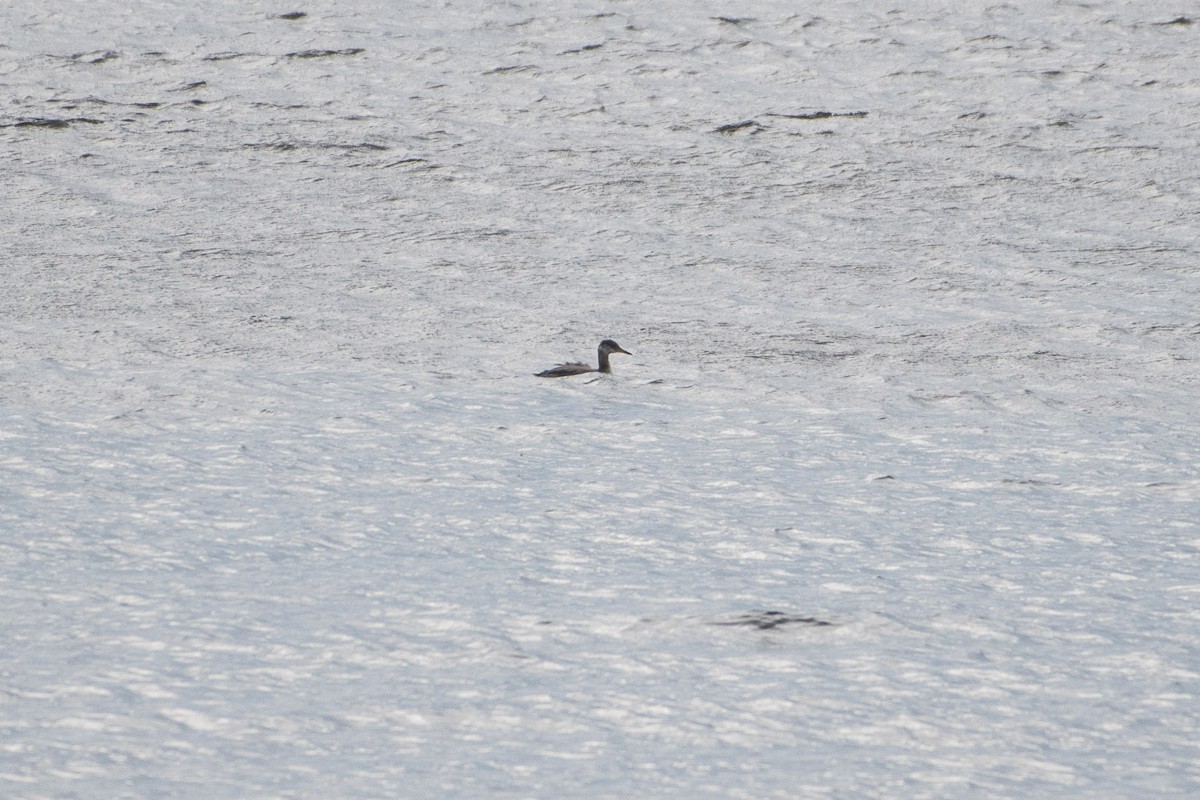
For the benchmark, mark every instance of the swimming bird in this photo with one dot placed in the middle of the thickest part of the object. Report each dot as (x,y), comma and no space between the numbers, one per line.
(607,347)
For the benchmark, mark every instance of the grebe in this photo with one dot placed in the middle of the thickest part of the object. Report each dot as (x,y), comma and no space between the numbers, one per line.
(607,347)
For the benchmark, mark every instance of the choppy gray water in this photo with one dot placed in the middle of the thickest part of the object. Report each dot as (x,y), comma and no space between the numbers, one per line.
(912,300)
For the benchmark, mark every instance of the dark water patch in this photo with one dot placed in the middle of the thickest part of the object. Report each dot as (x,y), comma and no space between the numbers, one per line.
(70,104)
(76,102)
(228,56)
(346,51)
(817,115)
(280,146)
(1180,21)
(770,620)
(1030,482)
(95,56)
(291,16)
(412,162)
(343,147)
(370,146)
(512,69)
(53,124)
(352,147)
(745,126)
(585,48)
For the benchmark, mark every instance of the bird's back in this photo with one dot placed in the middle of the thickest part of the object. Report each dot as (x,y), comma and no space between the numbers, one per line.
(563,370)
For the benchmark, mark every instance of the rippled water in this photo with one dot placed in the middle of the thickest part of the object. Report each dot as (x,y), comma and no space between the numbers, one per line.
(897,496)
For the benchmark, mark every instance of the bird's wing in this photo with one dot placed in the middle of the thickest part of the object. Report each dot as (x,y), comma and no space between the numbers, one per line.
(562,370)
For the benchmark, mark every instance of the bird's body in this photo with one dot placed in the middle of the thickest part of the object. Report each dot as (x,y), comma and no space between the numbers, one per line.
(563,370)
(607,347)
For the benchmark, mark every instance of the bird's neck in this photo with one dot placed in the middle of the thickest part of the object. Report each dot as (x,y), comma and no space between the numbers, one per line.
(604,367)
